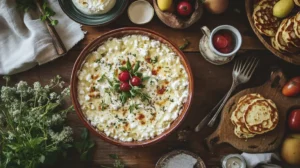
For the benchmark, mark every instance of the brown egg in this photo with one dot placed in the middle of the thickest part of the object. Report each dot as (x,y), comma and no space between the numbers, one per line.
(216,6)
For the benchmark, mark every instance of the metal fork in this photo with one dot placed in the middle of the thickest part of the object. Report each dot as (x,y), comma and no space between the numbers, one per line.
(242,72)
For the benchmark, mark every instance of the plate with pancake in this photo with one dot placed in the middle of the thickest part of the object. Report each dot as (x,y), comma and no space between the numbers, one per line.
(254,119)
(279,35)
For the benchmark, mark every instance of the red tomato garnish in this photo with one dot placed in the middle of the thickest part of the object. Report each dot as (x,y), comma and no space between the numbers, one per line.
(135,81)
(124,76)
(125,87)
(220,41)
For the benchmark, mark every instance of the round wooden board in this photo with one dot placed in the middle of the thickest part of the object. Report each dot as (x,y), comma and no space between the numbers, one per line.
(292,58)
(260,143)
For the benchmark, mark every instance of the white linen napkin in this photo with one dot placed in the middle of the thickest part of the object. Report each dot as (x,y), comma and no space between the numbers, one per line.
(25,41)
(255,159)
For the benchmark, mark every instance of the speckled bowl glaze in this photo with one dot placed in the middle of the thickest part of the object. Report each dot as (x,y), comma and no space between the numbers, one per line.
(117,34)
(93,20)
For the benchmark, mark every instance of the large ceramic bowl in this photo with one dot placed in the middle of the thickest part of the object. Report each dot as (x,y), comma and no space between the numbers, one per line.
(120,33)
(93,20)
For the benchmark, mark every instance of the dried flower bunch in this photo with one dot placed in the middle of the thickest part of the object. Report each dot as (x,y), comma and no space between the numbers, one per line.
(32,124)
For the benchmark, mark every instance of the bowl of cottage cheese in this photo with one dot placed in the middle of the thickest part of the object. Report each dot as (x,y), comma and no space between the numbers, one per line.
(132,87)
(93,12)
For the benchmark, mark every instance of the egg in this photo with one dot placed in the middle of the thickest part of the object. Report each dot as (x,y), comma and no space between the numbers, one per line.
(216,6)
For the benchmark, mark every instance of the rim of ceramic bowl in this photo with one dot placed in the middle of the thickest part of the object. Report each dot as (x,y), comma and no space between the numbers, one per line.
(120,33)
(237,36)
(138,1)
(76,15)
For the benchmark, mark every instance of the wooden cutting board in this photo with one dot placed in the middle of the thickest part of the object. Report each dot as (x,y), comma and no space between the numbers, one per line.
(260,143)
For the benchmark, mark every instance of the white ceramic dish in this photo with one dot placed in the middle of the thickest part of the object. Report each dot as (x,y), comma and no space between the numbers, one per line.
(140,12)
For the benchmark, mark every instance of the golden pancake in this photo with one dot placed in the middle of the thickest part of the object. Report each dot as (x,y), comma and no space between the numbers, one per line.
(297,24)
(279,41)
(249,111)
(288,34)
(237,117)
(261,116)
(264,21)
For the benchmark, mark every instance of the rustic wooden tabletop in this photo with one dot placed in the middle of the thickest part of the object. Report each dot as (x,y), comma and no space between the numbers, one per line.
(211,83)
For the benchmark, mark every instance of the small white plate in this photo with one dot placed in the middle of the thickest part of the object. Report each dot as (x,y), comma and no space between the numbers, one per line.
(140,12)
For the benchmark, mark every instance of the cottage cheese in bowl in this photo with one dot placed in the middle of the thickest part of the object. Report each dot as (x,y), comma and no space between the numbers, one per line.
(90,7)
(145,111)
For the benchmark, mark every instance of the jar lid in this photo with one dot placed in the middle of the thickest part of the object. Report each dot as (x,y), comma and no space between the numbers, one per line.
(233,161)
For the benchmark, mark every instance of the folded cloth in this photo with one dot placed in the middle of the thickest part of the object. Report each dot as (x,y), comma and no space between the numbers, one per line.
(25,41)
(255,159)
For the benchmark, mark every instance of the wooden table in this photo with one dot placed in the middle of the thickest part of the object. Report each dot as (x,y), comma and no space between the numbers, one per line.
(211,83)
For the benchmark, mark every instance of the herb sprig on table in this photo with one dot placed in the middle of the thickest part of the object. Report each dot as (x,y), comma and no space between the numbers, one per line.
(85,146)
(118,162)
(32,124)
(48,13)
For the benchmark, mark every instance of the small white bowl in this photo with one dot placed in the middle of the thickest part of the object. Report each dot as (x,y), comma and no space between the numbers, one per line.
(236,34)
(140,12)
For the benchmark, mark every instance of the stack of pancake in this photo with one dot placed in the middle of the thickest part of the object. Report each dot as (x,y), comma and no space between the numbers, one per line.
(254,115)
(285,34)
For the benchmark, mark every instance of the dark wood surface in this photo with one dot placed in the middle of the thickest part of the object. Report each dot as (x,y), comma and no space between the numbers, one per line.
(269,141)
(211,83)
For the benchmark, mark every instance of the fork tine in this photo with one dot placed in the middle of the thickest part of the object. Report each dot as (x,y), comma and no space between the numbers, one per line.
(246,65)
(253,61)
(254,67)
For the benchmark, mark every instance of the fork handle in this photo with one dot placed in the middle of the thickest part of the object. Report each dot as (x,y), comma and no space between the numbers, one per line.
(205,120)
(213,119)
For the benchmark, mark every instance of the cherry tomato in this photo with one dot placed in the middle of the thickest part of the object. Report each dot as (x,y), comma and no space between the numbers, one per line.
(220,41)
(228,37)
(292,87)
(125,87)
(225,50)
(184,8)
(294,120)
(135,81)
(124,76)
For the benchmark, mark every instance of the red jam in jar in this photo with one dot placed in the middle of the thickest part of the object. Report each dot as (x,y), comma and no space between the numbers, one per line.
(224,41)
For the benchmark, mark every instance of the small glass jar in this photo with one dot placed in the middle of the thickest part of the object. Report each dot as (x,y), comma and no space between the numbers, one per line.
(233,161)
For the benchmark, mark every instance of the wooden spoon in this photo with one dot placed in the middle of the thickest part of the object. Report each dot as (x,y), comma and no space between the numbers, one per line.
(57,42)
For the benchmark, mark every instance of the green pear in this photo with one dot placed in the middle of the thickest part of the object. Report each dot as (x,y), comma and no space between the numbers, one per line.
(282,8)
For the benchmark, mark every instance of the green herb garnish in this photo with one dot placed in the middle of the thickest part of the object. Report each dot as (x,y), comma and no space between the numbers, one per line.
(85,146)
(117,162)
(48,13)
(186,43)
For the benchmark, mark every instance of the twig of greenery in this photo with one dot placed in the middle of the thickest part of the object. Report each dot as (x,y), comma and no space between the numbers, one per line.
(32,124)
(48,13)
(117,162)
(85,146)
(186,43)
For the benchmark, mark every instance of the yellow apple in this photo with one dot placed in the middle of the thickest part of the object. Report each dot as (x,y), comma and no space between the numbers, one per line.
(290,151)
